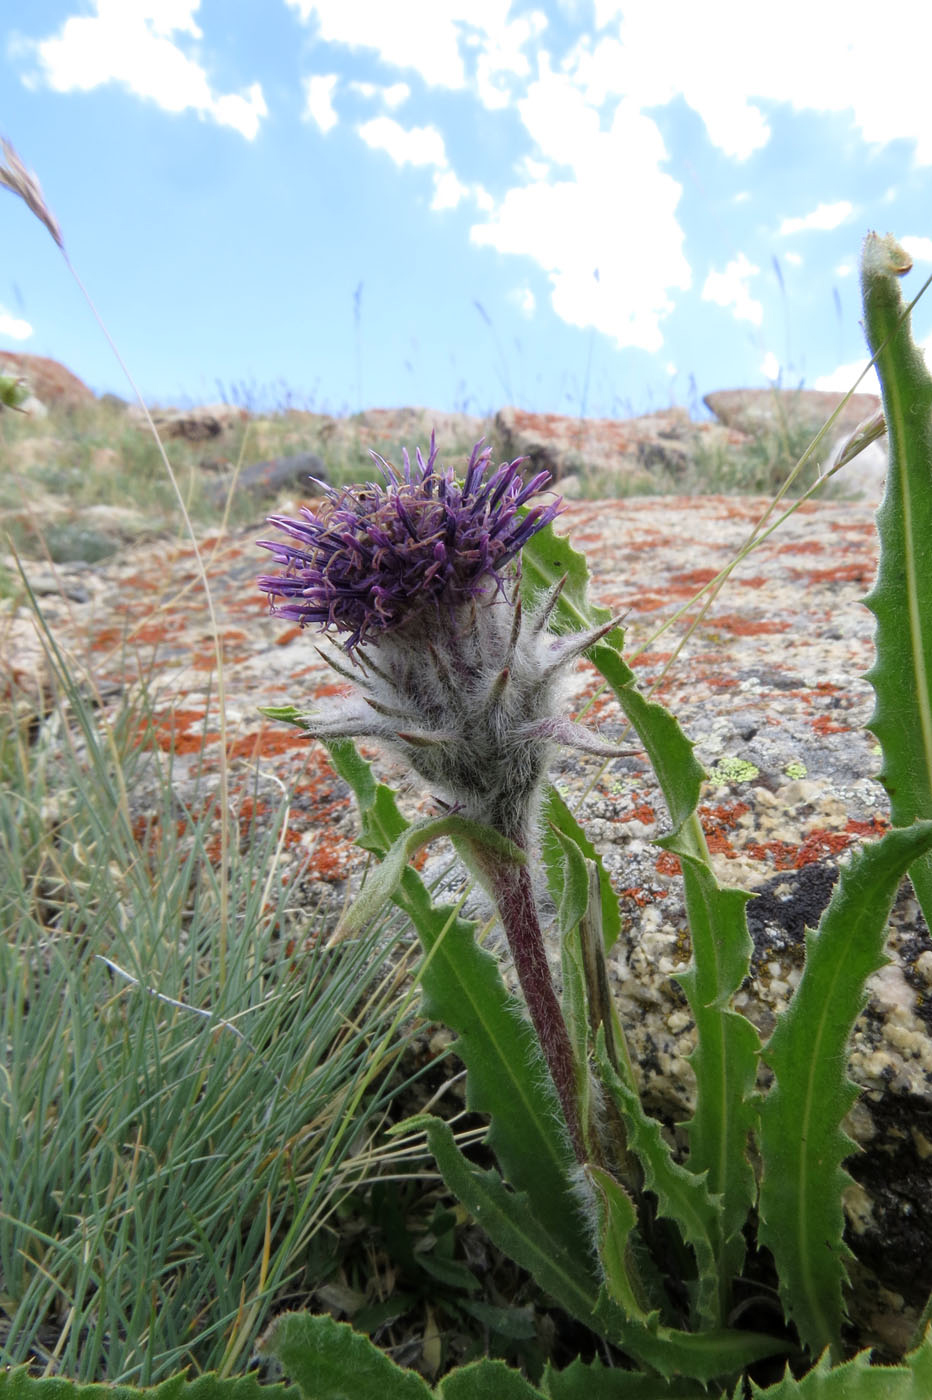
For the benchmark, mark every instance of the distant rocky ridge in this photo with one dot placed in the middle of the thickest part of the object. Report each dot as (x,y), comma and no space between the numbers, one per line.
(638,455)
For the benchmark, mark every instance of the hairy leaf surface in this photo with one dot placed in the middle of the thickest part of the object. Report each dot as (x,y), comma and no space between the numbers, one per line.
(329,1361)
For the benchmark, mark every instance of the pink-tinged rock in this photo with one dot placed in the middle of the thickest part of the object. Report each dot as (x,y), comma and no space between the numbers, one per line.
(413,426)
(51,383)
(388,430)
(637,453)
(194,424)
(757,410)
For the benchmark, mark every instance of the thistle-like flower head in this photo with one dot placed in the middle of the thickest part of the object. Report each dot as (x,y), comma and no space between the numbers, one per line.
(419,576)
(372,558)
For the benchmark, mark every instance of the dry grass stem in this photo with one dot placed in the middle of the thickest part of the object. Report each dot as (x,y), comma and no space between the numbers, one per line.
(15,177)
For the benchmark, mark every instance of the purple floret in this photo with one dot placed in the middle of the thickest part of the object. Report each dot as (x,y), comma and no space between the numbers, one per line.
(372,557)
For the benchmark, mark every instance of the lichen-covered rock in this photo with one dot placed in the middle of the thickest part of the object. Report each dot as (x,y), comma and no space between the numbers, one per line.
(51,383)
(635,455)
(755,410)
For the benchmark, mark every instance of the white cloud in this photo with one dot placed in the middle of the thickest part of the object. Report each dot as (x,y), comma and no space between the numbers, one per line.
(794,259)
(434,40)
(592,189)
(502,58)
(416,145)
(770,367)
(863,68)
(130,42)
(583,221)
(392,96)
(524,299)
(418,34)
(844,269)
(318,104)
(652,61)
(448,190)
(842,378)
(919,249)
(731,288)
(14,327)
(824,217)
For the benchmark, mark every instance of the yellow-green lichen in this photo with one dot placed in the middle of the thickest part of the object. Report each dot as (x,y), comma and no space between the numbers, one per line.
(732,770)
(795,769)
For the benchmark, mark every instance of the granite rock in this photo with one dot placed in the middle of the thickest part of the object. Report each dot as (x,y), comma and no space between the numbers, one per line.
(269,478)
(195,424)
(633,456)
(757,410)
(51,383)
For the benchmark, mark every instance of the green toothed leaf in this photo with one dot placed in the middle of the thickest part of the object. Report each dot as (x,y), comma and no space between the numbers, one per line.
(617,1223)
(681,1196)
(463,988)
(901,599)
(18,1384)
(486,1380)
(557,817)
(329,1361)
(545,559)
(727,1046)
(725,1058)
(596,1381)
(802,1142)
(725,1061)
(856,1379)
(511,1223)
(382,882)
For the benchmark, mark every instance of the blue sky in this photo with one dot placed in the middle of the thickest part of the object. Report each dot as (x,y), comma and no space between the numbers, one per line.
(595,208)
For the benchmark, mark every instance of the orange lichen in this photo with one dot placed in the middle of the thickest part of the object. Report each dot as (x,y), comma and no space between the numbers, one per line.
(644,602)
(696,577)
(800,547)
(650,658)
(266,742)
(641,897)
(642,811)
(818,845)
(876,826)
(155,632)
(668,864)
(169,732)
(824,724)
(747,627)
(842,573)
(330,858)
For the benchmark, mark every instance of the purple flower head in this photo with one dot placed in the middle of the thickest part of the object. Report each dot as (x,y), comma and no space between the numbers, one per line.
(371,558)
(406,573)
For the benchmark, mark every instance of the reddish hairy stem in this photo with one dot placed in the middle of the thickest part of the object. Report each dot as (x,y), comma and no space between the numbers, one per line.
(511,888)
